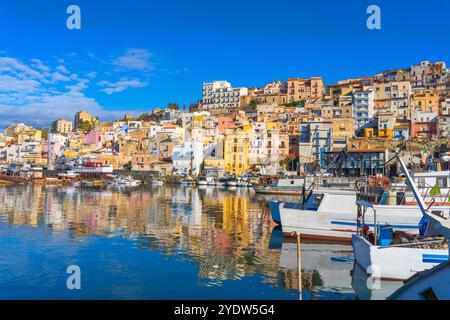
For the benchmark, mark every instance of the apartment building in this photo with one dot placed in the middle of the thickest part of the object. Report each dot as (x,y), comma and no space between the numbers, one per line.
(221,97)
(62,126)
(425,102)
(316,139)
(426,73)
(363,107)
(82,116)
(302,89)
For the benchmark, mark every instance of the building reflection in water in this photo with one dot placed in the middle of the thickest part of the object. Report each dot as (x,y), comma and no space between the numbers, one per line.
(225,232)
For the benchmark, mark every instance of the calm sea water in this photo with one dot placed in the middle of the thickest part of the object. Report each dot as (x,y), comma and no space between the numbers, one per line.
(160,243)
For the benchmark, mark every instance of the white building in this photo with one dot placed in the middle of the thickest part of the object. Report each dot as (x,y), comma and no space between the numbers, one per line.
(16,153)
(187,159)
(220,95)
(362,108)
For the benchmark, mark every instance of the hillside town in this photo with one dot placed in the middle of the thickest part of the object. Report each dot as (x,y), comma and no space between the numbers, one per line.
(286,125)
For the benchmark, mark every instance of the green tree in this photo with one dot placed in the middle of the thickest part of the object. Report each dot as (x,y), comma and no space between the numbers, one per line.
(173,106)
(86,126)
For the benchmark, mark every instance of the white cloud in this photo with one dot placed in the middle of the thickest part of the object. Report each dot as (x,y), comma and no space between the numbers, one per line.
(122,85)
(38,93)
(57,77)
(134,59)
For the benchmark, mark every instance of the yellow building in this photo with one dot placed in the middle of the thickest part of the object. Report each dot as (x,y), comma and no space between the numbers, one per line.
(343,128)
(302,89)
(236,151)
(425,102)
(369,133)
(82,116)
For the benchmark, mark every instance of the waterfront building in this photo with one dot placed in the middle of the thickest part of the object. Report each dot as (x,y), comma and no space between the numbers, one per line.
(359,162)
(143,161)
(236,150)
(316,139)
(187,159)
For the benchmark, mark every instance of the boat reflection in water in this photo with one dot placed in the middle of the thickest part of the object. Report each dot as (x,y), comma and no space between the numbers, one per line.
(328,271)
(154,242)
(326,267)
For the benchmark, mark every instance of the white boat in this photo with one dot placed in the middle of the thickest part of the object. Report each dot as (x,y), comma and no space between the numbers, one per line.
(127,182)
(333,216)
(69,175)
(156,182)
(383,259)
(232,183)
(93,168)
(395,262)
(206,181)
(186,182)
(286,186)
(221,182)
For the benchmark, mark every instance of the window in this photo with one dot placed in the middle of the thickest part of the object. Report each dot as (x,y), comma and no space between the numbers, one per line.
(442,182)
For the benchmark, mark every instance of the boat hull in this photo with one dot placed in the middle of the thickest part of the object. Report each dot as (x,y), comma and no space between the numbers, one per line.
(277,190)
(394,263)
(337,219)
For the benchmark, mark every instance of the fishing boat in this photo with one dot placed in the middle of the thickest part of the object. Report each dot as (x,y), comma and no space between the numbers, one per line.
(286,186)
(93,169)
(206,181)
(127,182)
(69,175)
(333,216)
(243,182)
(432,284)
(186,182)
(382,257)
(388,260)
(221,182)
(156,182)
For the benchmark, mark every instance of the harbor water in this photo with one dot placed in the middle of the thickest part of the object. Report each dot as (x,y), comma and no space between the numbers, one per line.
(167,242)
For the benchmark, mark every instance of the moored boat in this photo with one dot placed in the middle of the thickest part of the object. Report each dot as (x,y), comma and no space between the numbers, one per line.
(156,182)
(334,216)
(286,186)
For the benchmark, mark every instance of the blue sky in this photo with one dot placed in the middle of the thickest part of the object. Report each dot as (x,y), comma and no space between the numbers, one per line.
(134,55)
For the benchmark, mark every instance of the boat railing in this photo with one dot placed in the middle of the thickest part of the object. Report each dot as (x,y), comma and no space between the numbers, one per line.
(337,183)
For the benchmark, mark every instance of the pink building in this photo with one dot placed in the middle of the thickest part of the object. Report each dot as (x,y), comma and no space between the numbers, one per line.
(423,129)
(93,137)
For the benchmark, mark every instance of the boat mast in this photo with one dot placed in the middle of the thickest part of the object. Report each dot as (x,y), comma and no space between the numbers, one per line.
(414,189)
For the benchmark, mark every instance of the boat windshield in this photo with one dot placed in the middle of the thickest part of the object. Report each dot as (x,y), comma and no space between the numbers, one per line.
(312,204)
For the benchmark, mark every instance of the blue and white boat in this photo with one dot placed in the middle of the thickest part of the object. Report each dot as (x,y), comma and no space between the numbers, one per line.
(333,216)
(286,186)
(378,254)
